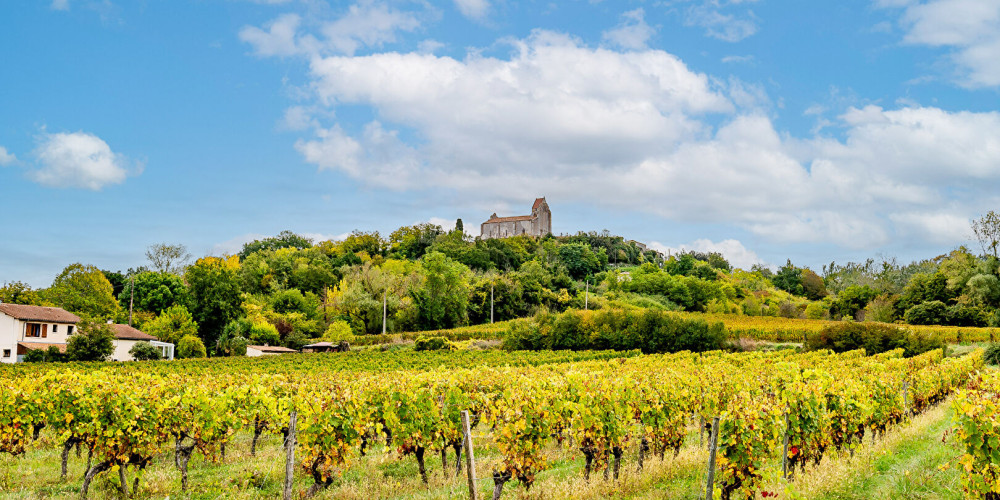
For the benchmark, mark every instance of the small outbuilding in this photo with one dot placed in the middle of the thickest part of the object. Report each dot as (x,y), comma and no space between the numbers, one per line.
(256,351)
(327,347)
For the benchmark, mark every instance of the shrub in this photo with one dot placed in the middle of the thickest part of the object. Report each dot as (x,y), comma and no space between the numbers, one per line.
(873,338)
(433,344)
(992,354)
(144,351)
(94,341)
(817,310)
(190,347)
(933,312)
(647,330)
(263,334)
(339,331)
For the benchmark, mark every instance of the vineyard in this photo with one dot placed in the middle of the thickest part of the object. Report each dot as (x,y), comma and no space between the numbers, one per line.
(778,410)
(779,329)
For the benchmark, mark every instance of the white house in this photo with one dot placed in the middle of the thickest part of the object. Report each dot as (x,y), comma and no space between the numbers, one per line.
(256,351)
(25,328)
(127,337)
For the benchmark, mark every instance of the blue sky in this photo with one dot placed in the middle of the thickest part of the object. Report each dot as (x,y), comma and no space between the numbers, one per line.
(815,131)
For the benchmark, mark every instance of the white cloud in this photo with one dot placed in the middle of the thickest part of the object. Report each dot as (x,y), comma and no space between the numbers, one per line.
(638,130)
(366,24)
(473,9)
(733,250)
(970,27)
(79,160)
(5,157)
(446,224)
(738,59)
(712,15)
(320,237)
(234,245)
(631,33)
(59,5)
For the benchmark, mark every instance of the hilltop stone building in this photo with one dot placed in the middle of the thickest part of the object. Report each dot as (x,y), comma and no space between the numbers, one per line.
(539,223)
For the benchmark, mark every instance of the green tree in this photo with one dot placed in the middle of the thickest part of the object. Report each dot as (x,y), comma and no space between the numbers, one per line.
(285,239)
(214,285)
(984,290)
(17,292)
(932,312)
(166,258)
(789,279)
(93,341)
(443,299)
(175,322)
(154,292)
(144,351)
(83,290)
(190,347)
(412,242)
(851,300)
(579,259)
(812,285)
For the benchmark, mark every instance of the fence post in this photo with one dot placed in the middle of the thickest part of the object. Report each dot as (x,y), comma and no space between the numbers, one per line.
(470,461)
(290,456)
(784,453)
(710,486)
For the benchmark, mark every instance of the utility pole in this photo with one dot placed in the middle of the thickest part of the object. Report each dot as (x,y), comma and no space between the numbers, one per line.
(491,303)
(131,298)
(384,309)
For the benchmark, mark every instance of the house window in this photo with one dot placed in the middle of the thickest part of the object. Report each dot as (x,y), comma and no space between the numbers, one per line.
(6,353)
(33,330)
(69,330)
(55,328)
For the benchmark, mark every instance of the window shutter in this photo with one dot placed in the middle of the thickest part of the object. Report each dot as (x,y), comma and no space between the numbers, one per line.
(45,331)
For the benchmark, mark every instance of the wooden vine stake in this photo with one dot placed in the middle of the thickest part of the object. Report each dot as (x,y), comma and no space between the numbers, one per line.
(290,456)
(470,461)
(713,447)
(784,453)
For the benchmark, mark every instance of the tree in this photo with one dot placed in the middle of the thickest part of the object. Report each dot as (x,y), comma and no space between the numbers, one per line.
(444,299)
(285,239)
(459,226)
(168,258)
(813,285)
(17,292)
(144,351)
(214,284)
(175,323)
(412,242)
(154,292)
(93,341)
(190,347)
(987,231)
(789,279)
(83,290)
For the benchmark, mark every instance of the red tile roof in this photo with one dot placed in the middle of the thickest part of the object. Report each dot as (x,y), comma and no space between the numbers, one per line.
(538,203)
(125,332)
(31,346)
(39,313)
(271,348)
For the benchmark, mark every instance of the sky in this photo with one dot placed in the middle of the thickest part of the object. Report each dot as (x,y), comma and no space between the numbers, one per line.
(764,129)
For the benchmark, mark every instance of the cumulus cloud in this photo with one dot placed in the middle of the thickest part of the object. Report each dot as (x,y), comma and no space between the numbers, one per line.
(367,24)
(971,28)
(639,130)
(473,9)
(5,157)
(733,250)
(59,5)
(631,33)
(79,160)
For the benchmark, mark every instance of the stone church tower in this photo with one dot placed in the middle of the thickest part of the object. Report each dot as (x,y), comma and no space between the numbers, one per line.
(539,223)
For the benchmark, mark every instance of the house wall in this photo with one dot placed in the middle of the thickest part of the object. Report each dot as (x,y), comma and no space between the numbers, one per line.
(122,347)
(12,331)
(9,334)
(254,353)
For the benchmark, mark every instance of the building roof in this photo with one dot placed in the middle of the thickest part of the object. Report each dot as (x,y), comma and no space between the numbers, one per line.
(538,203)
(125,332)
(271,348)
(39,313)
(517,218)
(31,346)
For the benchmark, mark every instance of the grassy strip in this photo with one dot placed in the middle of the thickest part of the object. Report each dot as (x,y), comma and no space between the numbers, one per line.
(902,464)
